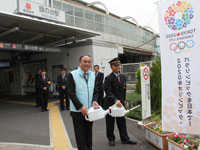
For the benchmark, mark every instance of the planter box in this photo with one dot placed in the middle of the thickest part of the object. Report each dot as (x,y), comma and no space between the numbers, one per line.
(174,146)
(158,140)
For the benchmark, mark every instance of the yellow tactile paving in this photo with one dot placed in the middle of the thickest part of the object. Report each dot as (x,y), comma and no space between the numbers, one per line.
(58,132)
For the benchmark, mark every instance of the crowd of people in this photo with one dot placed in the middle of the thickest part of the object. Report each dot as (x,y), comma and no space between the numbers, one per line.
(82,89)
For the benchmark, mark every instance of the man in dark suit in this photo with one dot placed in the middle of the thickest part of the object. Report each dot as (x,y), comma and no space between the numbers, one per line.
(62,83)
(99,81)
(43,83)
(115,89)
(37,92)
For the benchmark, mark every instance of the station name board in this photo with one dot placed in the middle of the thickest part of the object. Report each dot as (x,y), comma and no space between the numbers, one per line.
(40,11)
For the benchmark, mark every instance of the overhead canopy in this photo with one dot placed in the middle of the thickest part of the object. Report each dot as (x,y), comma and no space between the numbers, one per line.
(27,30)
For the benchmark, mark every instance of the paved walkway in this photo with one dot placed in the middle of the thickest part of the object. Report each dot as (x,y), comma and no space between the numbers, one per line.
(24,127)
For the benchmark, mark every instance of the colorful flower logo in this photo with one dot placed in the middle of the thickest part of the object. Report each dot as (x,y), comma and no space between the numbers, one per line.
(184,10)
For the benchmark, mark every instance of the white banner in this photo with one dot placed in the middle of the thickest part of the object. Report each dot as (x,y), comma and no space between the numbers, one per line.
(180,57)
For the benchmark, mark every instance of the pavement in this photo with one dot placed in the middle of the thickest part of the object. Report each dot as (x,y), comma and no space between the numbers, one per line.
(24,127)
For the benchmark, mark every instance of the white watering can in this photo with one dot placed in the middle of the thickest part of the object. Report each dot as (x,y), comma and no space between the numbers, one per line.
(120,111)
(98,113)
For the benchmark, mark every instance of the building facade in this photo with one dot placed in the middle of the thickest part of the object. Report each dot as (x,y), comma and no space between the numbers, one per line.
(55,33)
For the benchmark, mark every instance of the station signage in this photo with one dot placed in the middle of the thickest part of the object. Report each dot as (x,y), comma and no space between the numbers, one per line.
(30,8)
(22,47)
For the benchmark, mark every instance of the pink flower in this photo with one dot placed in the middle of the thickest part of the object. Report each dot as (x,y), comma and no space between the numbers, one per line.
(170,8)
(175,135)
(190,140)
(185,141)
(179,3)
(172,13)
(182,136)
(181,144)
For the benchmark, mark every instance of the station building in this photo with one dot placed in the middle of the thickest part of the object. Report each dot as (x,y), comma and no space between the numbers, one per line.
(55,33)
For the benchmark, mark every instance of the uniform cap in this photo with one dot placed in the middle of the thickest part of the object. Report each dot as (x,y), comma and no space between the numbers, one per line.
(115,61)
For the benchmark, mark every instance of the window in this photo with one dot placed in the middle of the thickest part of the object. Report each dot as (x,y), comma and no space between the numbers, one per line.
(89,15)
(79,12)
(89,25)
(99,27)
(69,20)
(99,18)
(68,9)
(57,5)
(79,22)
(107,20)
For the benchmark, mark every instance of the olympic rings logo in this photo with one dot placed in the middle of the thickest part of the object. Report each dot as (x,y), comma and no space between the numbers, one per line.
(181,46)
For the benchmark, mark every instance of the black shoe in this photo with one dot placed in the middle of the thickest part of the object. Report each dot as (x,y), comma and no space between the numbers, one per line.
(61,109)
(130,142)
(46,110)
(67,108)
(112,143)
(42,110)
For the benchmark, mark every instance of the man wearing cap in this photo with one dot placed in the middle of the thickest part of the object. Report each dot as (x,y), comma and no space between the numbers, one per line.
(62,83)
(99,81)
(44,83)
(115,89)
(83,93)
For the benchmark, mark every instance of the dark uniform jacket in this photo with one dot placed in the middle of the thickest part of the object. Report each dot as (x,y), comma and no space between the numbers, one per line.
(36,80)
(114,90)
(99,80)
(62,82)
(43,83)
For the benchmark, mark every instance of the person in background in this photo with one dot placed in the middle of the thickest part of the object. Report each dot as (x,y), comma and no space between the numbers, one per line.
(115,89)
(99,82)
(37,92)
(63,93)
(83,93)
(44,83)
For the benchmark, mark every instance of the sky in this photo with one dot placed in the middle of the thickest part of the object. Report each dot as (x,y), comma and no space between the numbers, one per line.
(144,11)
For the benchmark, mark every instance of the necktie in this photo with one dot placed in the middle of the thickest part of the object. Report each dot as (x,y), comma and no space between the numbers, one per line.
(85,76)
(43,77)
(63,76)
(118,77)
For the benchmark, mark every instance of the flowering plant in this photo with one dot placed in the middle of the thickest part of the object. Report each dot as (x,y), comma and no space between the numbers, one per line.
(156,127)
(185,141)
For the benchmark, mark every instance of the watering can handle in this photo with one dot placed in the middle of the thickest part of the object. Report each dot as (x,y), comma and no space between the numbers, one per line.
(86,118)
(115,104)
(134,107)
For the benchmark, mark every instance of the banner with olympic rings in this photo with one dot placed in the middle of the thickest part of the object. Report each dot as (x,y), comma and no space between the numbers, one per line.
(180,60)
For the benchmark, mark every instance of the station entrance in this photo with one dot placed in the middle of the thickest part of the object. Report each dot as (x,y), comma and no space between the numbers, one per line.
(27,43)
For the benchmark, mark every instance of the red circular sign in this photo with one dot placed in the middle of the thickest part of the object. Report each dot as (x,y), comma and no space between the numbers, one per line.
(146,73)
(28,6)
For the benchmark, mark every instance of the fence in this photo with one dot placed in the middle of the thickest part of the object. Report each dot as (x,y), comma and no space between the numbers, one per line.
(130,70)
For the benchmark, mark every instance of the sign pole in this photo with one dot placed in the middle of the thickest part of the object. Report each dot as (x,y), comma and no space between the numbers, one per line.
(145,93)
